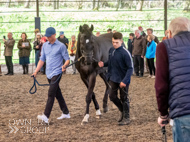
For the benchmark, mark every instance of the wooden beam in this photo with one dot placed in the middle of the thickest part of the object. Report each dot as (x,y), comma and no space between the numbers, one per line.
(165,14)
(37,8)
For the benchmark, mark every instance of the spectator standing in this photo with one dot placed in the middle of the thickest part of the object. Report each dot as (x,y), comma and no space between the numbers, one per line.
(72,48)
(150,55)
(36,48)
(166,35)
(62,38)
(42,41)
(172,79)
(8,52)
(35,32)
(150,32)
(24,52)
(142,32)
(130,42)
(138,53)
(109,30)
(98,34)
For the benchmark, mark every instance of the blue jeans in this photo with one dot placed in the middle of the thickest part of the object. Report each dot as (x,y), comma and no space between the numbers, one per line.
(181,129)
(37,56)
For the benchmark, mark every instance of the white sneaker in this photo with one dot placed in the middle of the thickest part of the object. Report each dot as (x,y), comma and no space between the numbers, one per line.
(153,76)
(43,118)
(64,116)
(149,76)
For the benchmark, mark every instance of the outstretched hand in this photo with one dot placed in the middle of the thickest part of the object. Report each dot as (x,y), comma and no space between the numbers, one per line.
(101,64)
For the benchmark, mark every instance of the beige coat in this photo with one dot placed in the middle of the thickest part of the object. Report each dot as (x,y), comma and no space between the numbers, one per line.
(9,45)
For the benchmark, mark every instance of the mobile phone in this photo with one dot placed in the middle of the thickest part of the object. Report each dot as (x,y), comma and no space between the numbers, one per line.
(4,37)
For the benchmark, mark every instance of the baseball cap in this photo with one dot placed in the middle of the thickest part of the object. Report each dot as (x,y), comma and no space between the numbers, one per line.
(50,31)
(61,33)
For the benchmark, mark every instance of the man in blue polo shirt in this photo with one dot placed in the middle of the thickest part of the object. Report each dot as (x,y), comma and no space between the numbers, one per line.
(53,52)
(120,69)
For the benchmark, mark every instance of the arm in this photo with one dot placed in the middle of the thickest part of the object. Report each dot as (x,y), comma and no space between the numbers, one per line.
(69,48)
(162,82)
(19,45)
(10,44)
(153,48)
(35,44)
(156,40)
(39,66)
(143,46)
(65,55)
(29,46)
(76,48)
(129,64)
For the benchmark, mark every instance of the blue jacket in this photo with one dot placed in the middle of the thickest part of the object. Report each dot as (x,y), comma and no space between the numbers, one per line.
(120,65)
(150,50)
(178,50)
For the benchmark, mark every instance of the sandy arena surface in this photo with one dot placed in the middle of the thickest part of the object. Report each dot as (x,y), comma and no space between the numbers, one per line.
(19,110)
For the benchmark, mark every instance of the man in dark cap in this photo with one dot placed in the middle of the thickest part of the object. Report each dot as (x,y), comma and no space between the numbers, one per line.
(53,52)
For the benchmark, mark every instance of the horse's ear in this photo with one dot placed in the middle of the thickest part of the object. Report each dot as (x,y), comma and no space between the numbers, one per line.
(91,28)
(80,28)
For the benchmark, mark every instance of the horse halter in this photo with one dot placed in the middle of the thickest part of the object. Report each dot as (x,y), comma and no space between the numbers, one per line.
(88,55)
(85,54)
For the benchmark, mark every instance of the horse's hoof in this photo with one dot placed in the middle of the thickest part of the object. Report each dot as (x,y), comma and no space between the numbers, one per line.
(85,119)
(105,109)
(98,116)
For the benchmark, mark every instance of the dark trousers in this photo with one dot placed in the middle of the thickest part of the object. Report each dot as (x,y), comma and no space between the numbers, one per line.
(55,92)
(9,63)
(113,95)
(138,64)
(151,65)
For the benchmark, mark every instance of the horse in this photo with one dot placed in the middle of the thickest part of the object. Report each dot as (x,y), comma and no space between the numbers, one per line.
(91,50)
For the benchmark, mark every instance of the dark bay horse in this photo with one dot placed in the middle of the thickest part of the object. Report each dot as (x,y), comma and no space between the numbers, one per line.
(91,50)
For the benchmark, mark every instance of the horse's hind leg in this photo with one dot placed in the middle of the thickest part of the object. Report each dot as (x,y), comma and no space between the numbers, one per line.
(105,99)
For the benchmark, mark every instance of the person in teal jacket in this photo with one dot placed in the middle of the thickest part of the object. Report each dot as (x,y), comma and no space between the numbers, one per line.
(150,55)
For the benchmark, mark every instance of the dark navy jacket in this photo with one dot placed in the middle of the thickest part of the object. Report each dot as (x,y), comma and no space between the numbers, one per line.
(120,65)
(130,46)
(178,49)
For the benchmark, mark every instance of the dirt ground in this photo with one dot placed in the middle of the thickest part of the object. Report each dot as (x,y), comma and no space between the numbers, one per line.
(19,110)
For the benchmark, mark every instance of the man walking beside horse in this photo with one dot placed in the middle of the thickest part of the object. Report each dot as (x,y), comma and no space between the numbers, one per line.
(120,69)
(53,52)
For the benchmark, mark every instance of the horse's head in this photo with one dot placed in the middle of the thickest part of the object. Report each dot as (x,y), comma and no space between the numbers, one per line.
(86,43)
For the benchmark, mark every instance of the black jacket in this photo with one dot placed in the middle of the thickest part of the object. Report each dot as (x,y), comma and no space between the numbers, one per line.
(120,66)
(64,41)
(130,46)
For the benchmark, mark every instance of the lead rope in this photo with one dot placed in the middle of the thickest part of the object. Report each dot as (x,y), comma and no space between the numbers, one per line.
(36,82)
(163,129)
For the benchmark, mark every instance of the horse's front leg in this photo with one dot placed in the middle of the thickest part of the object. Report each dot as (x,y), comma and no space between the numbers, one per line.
(90,95)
